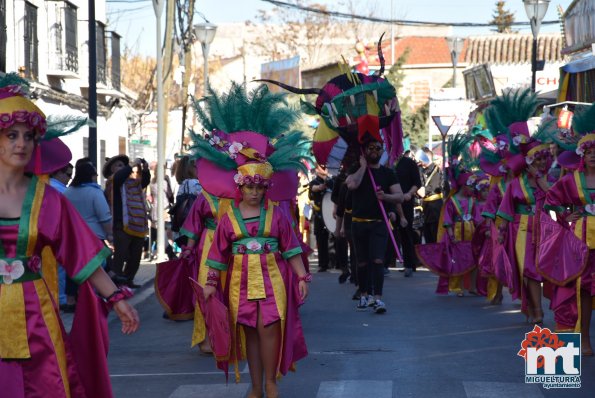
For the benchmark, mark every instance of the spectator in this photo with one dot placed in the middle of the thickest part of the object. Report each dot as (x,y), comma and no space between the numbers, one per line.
(87,197)
(125,194)
(59,180)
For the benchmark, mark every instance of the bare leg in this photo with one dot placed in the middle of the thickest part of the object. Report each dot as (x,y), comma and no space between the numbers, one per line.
(497,300)
(534,288)
(270,343)
(254,361)
(473,282)
(586,310)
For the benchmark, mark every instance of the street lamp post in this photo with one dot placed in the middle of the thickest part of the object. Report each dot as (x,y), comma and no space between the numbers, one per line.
(455,46)
(158,8)
(536,10)
(205,33)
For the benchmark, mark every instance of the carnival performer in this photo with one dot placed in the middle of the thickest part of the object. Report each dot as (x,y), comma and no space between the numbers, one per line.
(501,163)
(488,212)
(450,258)
(262,249)
(460,213)
(199,227)
(522,202)
(35,357)
(572,198)
(478,282)
(251,155)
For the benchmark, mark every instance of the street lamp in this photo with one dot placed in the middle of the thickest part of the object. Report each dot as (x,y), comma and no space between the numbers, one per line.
(455,46)
(158,8)
(205,33)
(536,10)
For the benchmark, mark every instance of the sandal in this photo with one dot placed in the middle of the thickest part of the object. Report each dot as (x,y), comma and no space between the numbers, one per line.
(460,294)
(205,347)
(538,319)
(587,352)
(497,300)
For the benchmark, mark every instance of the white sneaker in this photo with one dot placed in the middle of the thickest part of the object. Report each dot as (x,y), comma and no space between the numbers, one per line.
(380,307)
(363,303)
(371,301)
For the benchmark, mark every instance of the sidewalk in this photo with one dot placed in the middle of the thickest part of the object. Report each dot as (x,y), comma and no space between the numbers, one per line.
(144,277)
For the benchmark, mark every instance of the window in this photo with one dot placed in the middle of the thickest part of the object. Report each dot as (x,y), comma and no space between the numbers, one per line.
(70,23)
(31,61)
(115,60)
(101,66)
(3,35)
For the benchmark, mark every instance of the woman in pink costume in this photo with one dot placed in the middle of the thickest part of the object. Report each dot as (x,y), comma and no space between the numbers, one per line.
(199,227)
(36,357)
(251,155)
(573,198)
(519,211)
(457,224)
(488,212)
(256,245)
(478,282)
(460,213)
(495,163)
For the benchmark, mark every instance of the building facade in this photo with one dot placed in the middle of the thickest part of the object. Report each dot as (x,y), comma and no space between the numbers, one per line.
(47,43)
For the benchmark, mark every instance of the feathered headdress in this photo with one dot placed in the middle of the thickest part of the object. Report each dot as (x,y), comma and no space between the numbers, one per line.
(15,107)
(507,119)
(252,139)
(51,154)
(459,161)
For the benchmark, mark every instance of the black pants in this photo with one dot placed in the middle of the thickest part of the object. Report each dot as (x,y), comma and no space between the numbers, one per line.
(169,250)
(321,234)
(408,241)
(430,232)
(349,237)
(128,250)
(341,254)
(370,241)
(431,219)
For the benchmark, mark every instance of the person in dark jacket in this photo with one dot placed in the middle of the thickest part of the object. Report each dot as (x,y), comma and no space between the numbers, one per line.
(125,194)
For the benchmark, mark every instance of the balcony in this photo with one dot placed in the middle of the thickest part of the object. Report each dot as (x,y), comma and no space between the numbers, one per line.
(63,42)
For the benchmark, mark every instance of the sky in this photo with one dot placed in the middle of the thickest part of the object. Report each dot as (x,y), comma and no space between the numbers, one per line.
(135,19)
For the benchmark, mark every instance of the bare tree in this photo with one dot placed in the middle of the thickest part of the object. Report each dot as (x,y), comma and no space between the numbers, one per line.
(290,32)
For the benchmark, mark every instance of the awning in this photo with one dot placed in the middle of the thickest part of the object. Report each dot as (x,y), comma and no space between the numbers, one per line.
(580,65)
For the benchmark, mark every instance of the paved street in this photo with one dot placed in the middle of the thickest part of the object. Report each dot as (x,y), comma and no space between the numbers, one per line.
(424,346)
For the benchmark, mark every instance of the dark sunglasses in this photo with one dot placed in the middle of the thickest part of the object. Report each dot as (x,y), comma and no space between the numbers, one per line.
(376,148)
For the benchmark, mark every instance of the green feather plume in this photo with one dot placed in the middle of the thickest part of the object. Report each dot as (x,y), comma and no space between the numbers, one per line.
(59,126)
(259,111)
(514,106)
(457,144)
(202,149)
(583,121)
(291,150)
(546,131)
(490,156)
(12,79)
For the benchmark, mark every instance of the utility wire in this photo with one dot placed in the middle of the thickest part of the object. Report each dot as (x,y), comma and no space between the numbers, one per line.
(405,22)
(127,1)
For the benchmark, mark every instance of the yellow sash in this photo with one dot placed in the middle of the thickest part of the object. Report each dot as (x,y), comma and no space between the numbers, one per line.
(13,327)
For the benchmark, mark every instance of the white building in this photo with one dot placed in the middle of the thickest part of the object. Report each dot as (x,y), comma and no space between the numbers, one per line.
(47,43)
